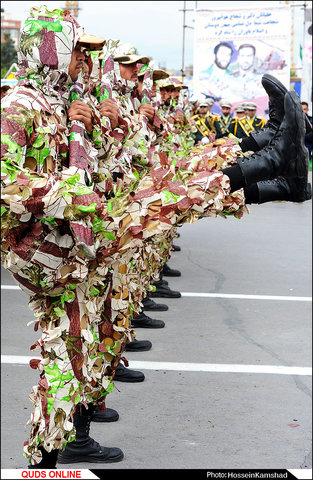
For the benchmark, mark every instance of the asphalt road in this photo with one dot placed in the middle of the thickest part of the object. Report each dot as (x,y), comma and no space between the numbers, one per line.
(182,419)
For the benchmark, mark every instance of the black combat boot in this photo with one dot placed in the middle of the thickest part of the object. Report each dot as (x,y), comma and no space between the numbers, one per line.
(285,155)
(84,448)
(288,189)
(138,346)
(163,290)
(123,374)
(109,415)
(49,460)
(170,272)
(143,321)
(276,92)
(151,306)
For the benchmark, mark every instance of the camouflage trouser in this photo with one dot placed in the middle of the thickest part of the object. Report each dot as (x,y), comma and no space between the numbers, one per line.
(84,333)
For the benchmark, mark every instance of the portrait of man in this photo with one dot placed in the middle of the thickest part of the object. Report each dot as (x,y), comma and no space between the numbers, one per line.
(223,52)
(247,63)
(246,73)
(214,80)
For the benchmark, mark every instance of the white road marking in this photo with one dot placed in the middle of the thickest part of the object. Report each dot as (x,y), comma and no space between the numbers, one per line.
(10,287)
(190,367)
(247,297)
(218,295)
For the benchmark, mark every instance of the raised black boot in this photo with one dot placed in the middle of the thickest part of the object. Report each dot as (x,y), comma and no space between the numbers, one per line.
(49,460)
(84,449)
(276,95)
(285,155)
(288,189)
(276,92)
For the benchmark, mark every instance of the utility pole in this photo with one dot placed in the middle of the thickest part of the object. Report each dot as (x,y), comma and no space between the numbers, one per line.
(184,10)
(183,56)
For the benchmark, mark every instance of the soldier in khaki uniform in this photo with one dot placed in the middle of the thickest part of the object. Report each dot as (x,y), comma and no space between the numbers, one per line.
(223,124)
(240,125)
(205,121)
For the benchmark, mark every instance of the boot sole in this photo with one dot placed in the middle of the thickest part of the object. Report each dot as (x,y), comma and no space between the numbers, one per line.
(109,420)
(129,380)
(142,349)
(274,82)
(155,309)
(283,90)
(171,274)
(90,460)
(302,166)
(137,325)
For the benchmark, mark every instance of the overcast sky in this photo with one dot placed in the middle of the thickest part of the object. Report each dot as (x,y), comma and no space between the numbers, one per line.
(154,28)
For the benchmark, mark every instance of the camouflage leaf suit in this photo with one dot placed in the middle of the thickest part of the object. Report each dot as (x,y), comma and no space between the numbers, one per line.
(80,245)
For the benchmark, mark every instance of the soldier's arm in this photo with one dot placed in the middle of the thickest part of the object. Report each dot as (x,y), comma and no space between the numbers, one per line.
(218,128)
(35,177)
(233,126)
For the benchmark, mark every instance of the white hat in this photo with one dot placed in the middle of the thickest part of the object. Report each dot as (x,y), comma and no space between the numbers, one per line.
(91,42)
(165,83)
(240,108)
(225,103)
(250,106)
(126,54)
(158,74)
(128,59)
(178,84)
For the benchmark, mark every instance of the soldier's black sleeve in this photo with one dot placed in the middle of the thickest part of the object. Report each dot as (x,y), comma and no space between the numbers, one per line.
(219,133)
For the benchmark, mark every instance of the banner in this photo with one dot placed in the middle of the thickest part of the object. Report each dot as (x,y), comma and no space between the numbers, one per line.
(233,48)
(306,87)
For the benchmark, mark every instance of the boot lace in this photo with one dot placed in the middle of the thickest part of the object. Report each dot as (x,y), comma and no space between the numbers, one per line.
(271,146)
(88,426)
(272,122)
(95,444)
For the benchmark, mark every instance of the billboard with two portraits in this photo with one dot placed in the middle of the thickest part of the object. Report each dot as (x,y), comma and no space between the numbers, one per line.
(234,48)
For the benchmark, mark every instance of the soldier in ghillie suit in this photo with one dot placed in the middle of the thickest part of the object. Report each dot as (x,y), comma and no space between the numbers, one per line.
(47,200)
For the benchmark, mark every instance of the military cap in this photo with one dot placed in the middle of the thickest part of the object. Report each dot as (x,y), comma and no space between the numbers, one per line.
(239,108)
(178,84)
(166,83)
(225,103)
(91,42)
(250,106)
(128,59)
(126,54)
(158,73)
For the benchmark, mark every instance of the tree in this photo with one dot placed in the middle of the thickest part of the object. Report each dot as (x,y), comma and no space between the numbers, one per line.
(8,54)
